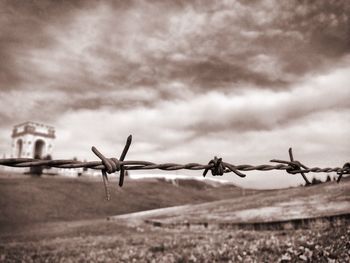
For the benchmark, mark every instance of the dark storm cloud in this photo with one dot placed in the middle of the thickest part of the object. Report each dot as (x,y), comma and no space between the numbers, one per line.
(209,45)
(23,26)
(325,27)
(86,50)
(214,73)
(270,44)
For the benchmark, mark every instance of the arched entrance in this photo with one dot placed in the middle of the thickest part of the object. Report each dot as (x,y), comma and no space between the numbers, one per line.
(39,149)
(19,148)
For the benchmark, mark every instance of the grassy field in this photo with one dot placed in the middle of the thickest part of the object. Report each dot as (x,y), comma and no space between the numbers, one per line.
(25,200)
(109,241)
(65,220)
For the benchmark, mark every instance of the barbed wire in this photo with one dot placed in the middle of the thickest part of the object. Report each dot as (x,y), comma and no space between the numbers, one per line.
(216,166)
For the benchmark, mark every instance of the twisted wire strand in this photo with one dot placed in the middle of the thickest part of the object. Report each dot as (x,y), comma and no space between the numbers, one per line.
(144,165)
(216,166)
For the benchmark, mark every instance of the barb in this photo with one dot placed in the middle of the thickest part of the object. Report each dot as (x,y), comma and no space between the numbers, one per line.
(112,165)
(346,170)
(122,157)
(217,166)
(295,166)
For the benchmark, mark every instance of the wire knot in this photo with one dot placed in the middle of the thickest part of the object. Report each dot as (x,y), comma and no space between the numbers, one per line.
(294,167)
(217,167)
(112,165)
(345,170)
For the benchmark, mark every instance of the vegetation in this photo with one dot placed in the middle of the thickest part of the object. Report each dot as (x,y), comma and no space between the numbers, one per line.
(27,200)
(112,242)
(58,219)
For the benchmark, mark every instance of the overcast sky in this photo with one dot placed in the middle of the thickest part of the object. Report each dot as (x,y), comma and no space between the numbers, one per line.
(243,80)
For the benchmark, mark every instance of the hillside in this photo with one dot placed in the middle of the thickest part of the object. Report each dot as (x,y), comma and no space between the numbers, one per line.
(101,240)
(26,200)
(60,219)
(326,199)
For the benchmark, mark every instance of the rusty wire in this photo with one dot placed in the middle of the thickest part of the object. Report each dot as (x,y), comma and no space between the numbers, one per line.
(216,166)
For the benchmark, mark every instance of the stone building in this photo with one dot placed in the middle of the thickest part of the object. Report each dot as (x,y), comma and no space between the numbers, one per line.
(32,140)
(35,140)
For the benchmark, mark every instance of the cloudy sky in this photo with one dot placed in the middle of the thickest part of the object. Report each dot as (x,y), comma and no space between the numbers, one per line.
(243,80)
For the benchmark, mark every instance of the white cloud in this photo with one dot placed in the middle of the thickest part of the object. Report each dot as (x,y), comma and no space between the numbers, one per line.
(313,118)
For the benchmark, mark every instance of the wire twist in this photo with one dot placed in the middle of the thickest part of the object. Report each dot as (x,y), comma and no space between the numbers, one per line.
(113,165)
(217,166)
(295,166)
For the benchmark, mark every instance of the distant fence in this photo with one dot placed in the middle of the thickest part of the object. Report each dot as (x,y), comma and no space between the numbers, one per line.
(216,166)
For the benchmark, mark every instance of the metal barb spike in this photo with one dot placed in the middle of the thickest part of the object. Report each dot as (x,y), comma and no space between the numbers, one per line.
(122,157)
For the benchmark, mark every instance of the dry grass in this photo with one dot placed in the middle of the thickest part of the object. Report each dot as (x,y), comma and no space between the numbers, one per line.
(63,220)
(26,200)
(111,242)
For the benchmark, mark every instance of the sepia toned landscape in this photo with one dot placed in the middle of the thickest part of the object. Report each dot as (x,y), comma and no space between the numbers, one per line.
(174,131)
